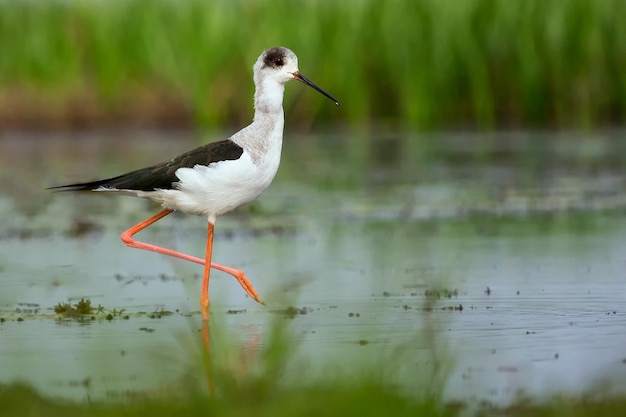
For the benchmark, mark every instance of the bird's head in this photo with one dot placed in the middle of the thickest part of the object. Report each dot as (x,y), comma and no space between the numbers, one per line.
(281,65)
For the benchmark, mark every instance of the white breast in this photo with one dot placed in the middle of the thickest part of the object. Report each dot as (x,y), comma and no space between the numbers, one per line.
(222,186)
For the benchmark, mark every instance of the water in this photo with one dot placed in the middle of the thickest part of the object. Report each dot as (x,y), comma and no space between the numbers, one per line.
(520,235)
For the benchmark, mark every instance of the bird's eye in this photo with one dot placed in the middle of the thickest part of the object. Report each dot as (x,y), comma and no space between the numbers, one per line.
(278,62)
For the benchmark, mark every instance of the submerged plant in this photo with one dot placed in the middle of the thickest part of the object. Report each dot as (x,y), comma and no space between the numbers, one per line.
(81,308)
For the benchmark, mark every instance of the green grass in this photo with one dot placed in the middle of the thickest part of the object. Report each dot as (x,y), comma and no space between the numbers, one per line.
(363,400)
(20,400)
(422,63)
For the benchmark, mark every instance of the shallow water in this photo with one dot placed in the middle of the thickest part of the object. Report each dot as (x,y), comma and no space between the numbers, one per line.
(525,231)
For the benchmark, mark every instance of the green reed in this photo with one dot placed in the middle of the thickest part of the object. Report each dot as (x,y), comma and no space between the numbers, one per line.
(419,63)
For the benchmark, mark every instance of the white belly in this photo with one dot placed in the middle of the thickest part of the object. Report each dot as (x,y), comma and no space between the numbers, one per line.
(218,188)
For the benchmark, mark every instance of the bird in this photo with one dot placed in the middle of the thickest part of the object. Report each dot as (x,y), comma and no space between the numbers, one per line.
(213,179)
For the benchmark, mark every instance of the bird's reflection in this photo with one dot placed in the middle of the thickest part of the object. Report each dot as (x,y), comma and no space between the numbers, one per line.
(206,350)
(249,352)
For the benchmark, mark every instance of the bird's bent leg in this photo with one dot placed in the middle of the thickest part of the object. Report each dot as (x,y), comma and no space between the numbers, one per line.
(127,238)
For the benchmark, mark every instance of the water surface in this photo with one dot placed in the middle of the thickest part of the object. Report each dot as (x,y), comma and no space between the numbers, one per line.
(484,266)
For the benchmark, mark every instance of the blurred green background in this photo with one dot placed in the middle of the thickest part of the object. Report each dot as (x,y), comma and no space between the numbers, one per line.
(455,67)
(419,64)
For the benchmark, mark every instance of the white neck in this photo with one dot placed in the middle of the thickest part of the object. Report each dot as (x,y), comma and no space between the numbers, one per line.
(268,96)
(265,133)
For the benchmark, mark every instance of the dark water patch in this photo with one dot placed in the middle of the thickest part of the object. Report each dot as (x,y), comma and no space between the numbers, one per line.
(145,279)
(80,228)
(25,233)
(291,311)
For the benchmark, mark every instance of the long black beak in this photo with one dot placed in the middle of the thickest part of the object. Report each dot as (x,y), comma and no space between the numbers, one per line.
(298,76)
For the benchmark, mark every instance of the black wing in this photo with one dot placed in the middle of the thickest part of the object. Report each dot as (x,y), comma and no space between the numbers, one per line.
(163,175)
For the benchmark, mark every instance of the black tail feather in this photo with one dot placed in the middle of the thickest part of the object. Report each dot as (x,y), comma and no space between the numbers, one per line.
(84,186)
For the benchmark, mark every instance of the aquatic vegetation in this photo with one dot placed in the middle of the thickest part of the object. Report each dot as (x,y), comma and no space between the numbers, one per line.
(160,312)
(84,308)
(423,63)
(80,308)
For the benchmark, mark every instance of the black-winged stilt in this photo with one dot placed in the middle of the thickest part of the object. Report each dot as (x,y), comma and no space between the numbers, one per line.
(218,177)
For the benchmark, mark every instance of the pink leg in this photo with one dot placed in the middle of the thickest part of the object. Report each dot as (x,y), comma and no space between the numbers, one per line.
(127,238)
(204,295)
